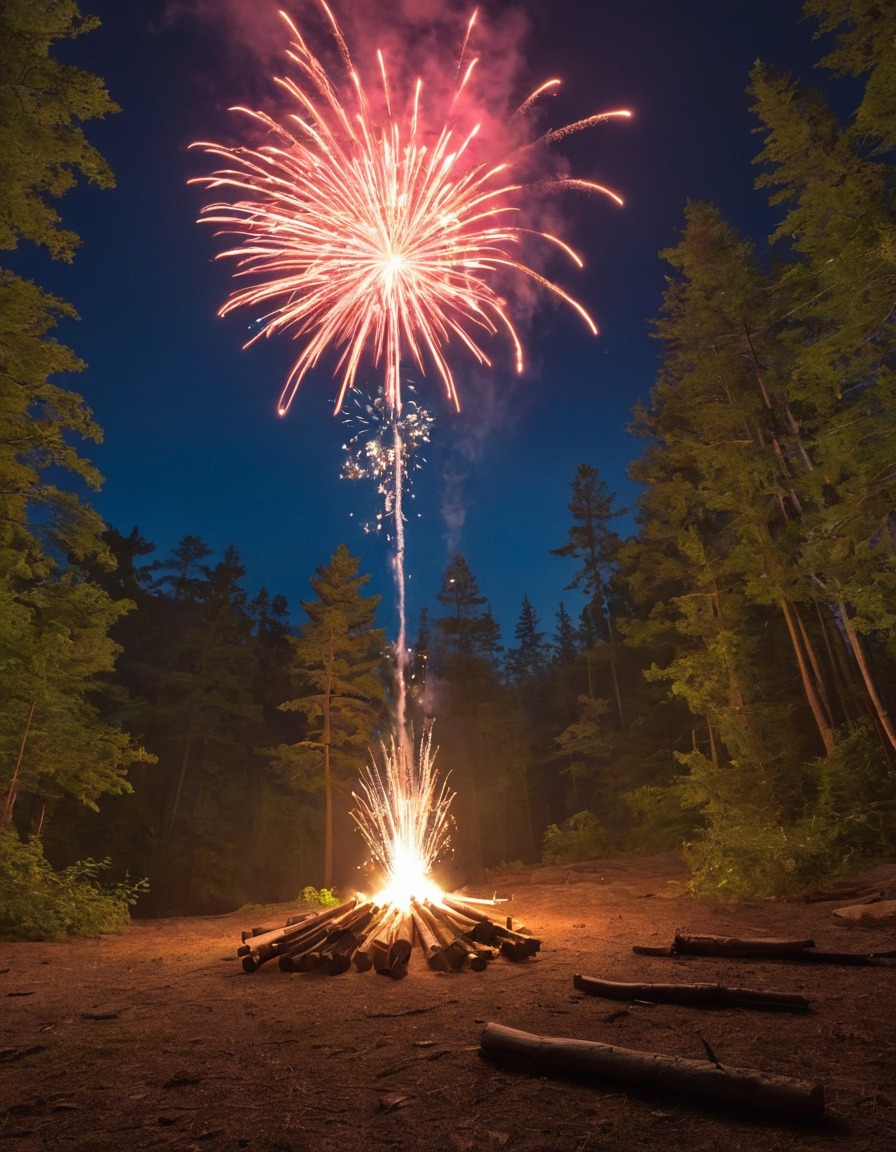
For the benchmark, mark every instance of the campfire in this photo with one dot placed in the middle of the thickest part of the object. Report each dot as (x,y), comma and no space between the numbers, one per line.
(402,814)
(451,933)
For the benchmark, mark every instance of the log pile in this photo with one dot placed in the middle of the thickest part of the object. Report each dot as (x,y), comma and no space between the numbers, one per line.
(451,933)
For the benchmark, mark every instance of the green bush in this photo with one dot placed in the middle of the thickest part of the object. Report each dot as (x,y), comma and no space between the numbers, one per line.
(747,857)
(848,820)
(37,903)
(661,822)
(854,815)
(579,838)
(326,897)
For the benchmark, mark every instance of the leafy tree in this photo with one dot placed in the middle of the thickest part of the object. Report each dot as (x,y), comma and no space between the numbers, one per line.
(54,623)
(337,660)
(42,106)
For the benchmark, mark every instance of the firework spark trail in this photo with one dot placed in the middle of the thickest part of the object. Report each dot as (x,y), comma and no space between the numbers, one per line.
(376,235)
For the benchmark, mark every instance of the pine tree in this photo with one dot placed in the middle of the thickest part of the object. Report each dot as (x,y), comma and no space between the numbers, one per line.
(337,664)
(527,663)
(464,629)
(595,546)
(838,223)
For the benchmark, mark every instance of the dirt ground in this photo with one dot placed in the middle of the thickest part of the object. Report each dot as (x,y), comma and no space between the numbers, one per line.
(156,1039)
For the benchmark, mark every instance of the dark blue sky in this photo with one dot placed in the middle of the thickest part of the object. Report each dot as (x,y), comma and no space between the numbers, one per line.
(192,441)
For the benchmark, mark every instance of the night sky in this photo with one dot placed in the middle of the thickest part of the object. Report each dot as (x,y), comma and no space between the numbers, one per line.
(193,444)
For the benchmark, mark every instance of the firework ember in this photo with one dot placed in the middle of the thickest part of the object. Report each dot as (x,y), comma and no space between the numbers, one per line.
(377,234)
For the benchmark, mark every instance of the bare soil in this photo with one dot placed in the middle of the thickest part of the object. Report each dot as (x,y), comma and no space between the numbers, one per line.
(156,1039)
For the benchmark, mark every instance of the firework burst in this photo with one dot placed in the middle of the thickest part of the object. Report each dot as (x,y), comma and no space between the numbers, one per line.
(385,447)
(378,235)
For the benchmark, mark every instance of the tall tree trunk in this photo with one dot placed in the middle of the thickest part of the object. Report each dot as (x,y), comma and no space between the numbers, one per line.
(855,643)
(184,765)
(816,667)
(824,727)
(9,800)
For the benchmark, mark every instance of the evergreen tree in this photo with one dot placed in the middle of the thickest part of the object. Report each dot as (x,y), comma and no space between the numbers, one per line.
(527,663)
(337,663)
(595,546)
(42,106)
(838,193)
(464,629)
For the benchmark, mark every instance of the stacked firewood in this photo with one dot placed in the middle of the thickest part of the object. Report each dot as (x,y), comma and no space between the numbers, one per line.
(451,933)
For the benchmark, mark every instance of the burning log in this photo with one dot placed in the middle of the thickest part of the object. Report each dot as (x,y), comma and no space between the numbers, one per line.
(329,947)
(265,947)
(450,932)
(712,1082)
(457,950)
(708,994)
(434,948)
(512,944)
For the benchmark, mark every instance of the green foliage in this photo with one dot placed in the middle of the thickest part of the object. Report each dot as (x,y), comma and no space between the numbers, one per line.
(42,106)
(847,820)
(37,903)
(325,897)
(853,817)
(55,645)
(747,856)
(578,838)
(661,822)
(337,658)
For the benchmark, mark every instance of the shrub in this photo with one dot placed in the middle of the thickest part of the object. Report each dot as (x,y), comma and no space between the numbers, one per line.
(660,820)
(326,897)
(37,903)
(579,838)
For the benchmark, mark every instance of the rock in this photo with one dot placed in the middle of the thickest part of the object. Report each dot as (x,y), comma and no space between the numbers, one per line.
(879,915)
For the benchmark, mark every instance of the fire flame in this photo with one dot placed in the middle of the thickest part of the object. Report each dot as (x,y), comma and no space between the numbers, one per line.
(403,814)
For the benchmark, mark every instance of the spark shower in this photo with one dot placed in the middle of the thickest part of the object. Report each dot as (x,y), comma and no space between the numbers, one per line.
(377,226)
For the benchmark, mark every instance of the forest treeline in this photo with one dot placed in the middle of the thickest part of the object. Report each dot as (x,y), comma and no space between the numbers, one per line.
(728,690)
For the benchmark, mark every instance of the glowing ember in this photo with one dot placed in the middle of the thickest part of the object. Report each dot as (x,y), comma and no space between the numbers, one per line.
(402,813)
(378,233)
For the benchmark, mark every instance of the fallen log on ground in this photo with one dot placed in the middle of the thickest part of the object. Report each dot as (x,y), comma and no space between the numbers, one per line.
(711,995)
(769,948)
(856,892)
(713,1083)
(686,944)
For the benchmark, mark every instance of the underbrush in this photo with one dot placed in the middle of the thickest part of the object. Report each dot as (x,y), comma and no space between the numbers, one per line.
(38,903)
